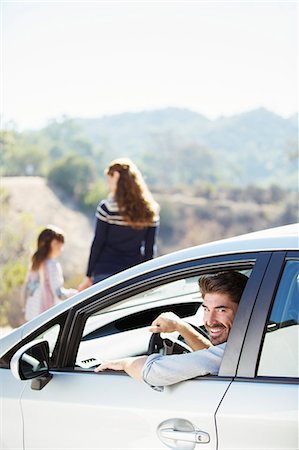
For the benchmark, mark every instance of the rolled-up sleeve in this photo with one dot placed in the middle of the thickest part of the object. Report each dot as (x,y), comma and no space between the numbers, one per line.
(159,371)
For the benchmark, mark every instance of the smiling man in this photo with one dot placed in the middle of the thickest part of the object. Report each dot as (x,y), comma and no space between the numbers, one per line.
(221,294)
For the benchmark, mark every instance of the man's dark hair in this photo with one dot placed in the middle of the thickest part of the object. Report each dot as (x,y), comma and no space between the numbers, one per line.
(230,282)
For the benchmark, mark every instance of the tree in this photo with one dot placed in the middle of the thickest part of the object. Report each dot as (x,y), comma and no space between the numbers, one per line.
(19,155)
(73,174)
(97,192)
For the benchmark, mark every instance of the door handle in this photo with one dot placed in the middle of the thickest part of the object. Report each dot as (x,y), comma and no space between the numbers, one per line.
(198,437)
(180,434)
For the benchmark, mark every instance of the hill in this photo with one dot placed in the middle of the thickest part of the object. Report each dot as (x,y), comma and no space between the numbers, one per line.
(176,149)
(248,148)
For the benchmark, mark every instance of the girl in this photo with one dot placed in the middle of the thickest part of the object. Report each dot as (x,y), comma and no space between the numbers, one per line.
(126,226)
(44,281)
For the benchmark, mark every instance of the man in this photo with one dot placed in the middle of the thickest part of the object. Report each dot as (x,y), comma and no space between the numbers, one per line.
(221,295)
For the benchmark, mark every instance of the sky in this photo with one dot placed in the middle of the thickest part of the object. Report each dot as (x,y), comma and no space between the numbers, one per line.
(89,59)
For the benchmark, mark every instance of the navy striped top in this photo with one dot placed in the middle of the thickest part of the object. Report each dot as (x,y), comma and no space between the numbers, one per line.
(116,245)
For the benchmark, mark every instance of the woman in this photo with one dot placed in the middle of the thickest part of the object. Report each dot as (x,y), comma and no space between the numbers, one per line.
(126,226)
(44,281)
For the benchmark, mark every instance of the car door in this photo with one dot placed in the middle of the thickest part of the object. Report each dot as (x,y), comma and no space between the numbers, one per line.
(79,409)
(11,417)
(260,408)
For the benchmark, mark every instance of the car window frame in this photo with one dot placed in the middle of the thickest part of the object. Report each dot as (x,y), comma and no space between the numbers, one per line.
(63,320)
(258,261)
(252,348)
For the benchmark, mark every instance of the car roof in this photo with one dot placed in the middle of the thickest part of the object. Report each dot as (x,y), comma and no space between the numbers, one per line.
(280,238)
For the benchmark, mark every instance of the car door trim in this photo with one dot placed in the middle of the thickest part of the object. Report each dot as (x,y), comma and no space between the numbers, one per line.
(271,380)
(294,254)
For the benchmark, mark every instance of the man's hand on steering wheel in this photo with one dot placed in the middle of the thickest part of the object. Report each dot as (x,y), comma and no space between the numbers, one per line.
(166,323)
(170,322)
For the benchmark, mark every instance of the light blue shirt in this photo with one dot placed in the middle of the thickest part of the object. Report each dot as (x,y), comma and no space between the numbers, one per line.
(159,370)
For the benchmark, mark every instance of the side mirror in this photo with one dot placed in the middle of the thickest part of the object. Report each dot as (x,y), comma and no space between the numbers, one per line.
(32,362)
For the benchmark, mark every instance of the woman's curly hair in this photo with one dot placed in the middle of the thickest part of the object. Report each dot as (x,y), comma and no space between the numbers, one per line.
(132,195)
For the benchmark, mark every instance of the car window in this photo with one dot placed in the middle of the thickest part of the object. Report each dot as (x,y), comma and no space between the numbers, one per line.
(51,332)
(279,356)
(50,335)
(121,330)
(168,291)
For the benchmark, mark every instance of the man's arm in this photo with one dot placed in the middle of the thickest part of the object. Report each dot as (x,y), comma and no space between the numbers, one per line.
(158,371)
(132,366)
(170,322)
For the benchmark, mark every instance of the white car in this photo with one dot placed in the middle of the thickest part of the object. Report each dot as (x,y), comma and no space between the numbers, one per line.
(51,398)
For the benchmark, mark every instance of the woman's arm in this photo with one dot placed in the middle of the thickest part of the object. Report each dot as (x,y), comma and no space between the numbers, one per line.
(95,250)
(86,283)
(150,243)
(97,245)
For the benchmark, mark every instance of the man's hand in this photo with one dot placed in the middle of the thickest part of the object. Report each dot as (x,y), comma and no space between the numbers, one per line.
(117,364)
(132,366)
(170,322)
(166,323)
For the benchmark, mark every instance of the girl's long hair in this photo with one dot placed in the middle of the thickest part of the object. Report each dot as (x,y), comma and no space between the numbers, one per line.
(132,195)
(44,246)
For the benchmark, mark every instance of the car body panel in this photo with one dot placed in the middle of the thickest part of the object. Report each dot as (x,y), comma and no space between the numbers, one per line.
(11,437)
(114,411)
(263,415)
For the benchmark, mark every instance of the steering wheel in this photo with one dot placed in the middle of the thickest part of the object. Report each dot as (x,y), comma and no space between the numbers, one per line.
(170,345)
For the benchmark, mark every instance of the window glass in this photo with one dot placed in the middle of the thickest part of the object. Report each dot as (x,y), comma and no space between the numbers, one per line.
(50,335)
(186,287)
(50,332)
(279,357)
(121,330)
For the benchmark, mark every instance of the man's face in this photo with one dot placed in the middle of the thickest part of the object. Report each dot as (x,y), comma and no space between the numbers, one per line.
(219,313)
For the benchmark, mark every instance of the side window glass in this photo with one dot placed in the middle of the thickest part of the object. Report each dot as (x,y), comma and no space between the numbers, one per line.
(51,335)
(122,330)
(279,357)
